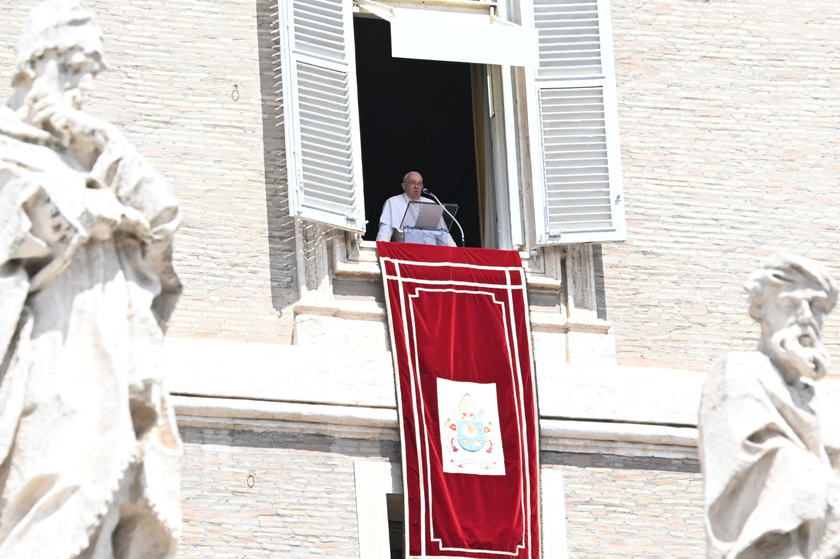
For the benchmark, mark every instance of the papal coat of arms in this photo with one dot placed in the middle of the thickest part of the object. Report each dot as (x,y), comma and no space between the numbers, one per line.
(470,434)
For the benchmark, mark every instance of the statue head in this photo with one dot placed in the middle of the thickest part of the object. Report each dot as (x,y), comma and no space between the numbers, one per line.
(60,50)
(790,296)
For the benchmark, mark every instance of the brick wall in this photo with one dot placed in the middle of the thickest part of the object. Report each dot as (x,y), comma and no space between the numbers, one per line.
(730,145)
(302,502)
(631,507)
(173,66)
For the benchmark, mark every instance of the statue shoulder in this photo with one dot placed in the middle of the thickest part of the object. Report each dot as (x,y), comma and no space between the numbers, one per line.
(739,373)
(740,360)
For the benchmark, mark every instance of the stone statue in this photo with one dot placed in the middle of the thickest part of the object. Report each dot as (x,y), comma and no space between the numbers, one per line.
(89,449)
(770,460)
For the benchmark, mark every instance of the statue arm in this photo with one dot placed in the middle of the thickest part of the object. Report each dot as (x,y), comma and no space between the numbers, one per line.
(149,207)
(139,187)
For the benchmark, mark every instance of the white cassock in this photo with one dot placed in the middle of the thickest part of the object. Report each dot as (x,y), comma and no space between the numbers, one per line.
(392,216)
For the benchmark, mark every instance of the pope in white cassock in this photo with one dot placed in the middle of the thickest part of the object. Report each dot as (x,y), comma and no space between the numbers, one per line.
(395,207)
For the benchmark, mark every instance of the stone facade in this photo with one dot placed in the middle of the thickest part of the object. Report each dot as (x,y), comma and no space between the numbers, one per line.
(726,130)
(728,126)
(173,68)
(631,507)
(730,153)
(301,499)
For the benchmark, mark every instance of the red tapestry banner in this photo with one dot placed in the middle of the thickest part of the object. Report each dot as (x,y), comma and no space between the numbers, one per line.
(461,342)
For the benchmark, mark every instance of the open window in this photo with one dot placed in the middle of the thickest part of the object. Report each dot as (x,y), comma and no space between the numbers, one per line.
(416,115)
(405,93)
(441,77)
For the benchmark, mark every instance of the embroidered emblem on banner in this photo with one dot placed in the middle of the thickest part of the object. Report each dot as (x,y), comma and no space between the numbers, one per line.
(469,428)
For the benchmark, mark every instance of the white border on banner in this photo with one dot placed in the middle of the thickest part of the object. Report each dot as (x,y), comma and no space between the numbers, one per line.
(521,418)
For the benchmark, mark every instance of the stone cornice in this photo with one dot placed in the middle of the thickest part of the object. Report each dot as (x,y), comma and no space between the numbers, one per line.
(626,439)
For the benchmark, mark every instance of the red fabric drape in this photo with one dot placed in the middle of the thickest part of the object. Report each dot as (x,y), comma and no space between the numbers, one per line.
(460,337)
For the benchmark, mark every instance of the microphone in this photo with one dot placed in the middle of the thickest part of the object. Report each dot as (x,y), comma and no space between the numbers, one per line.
(429,193)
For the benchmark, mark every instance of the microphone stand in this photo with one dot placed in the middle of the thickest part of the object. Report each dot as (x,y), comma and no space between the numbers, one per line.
(463,240)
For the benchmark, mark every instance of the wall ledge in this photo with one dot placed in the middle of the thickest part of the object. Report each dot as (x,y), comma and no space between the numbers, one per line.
(351,422)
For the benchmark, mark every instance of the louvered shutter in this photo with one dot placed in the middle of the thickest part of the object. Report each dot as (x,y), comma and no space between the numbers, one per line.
(323,149)
(576,169)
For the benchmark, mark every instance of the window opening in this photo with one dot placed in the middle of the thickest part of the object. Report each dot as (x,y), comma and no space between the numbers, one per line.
(396,524)
(415,115)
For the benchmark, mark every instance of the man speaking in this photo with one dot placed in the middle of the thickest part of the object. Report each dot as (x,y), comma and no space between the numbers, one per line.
(395,207)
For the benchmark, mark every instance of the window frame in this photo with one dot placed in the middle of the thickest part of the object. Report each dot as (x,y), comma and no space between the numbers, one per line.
(605,81)
(508,159)
(309,193)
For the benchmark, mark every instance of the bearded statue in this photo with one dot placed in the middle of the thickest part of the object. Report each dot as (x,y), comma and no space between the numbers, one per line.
(770,460)
(88,444)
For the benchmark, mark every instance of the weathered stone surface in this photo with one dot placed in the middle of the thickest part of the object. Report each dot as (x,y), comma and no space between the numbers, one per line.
(88,445)
(769,457)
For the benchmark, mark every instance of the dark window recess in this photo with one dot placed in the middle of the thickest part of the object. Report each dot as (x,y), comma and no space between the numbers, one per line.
(396,524)
(415,115)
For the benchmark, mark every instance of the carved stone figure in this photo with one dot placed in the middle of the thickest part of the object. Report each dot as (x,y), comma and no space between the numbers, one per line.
(771,466)
(88,444)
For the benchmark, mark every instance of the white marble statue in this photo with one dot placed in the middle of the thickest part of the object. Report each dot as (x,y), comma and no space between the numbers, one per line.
(770,462)
(88,444)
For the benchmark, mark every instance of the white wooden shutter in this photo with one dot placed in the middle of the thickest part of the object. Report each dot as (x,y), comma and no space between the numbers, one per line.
(572,107)
(323,150)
